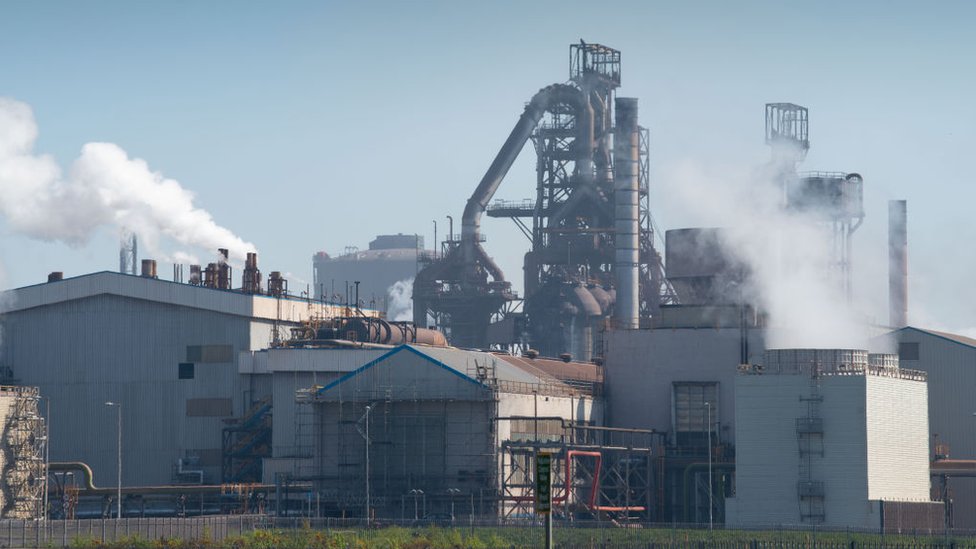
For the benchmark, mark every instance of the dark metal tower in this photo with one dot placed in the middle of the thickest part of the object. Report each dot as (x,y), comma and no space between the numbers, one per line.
(570,280)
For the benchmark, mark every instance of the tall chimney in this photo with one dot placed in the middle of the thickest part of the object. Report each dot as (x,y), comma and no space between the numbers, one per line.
(627,223)
(898,263)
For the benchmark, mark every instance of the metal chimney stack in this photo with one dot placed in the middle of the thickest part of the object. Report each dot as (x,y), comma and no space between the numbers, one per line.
(627,221)
(898,263)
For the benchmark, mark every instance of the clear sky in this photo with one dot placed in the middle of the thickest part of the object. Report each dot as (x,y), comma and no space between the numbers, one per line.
(307,126)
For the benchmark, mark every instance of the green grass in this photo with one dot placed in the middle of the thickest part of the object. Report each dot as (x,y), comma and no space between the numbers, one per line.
(488,538)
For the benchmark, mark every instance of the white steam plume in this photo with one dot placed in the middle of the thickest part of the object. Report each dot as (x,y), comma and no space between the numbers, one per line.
(788,253)
(400,304)
(103,187)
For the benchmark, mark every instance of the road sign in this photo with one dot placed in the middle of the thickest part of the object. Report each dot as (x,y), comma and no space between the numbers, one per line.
(543,482)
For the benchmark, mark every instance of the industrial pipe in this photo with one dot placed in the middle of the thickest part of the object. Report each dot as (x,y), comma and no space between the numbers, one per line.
(89,488)
(476,205)
(627,218)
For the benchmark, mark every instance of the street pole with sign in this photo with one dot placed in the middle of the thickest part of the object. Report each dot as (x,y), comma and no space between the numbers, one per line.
(543,491)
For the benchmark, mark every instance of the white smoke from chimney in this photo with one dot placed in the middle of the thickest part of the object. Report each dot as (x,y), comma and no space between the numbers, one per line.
(104,187)
(400,303)
(788,254)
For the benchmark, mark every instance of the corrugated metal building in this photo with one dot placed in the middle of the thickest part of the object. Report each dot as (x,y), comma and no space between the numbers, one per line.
(166,351)
(438,419)
(678,378)
(949,360)
(826,437)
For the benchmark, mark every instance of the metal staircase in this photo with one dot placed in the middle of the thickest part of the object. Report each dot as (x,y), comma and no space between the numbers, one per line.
(245,443)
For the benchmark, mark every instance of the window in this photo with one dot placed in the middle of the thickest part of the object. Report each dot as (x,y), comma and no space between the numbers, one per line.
(186,370)
(907,350)
(210,353)
(209,407)
(690,415)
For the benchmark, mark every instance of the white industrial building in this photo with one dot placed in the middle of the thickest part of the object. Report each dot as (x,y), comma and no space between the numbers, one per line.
(834,438)
(949,361)
(166,351)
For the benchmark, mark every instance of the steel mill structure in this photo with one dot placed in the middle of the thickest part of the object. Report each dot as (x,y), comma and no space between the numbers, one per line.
(591,256)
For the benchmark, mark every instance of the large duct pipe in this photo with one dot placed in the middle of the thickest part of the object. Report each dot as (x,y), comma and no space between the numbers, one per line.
(898,263)
(627,225)
(544,99)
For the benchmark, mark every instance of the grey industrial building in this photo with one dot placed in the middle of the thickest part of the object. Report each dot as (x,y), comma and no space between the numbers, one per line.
(949,361)
(166,351)
(388,260)
(445,425)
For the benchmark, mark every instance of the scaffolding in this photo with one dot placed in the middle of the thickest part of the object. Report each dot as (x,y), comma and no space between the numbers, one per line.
(599,473)
(22,455)
(451,453)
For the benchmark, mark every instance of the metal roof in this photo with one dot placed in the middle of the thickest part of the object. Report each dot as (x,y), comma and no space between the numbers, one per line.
(164,291)
(956,338)
(482,368)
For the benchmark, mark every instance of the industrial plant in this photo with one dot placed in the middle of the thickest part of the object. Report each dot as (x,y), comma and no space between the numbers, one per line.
(650,365)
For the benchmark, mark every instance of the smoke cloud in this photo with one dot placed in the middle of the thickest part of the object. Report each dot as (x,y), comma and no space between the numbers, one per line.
(788,254)
(400,303)
(103,187)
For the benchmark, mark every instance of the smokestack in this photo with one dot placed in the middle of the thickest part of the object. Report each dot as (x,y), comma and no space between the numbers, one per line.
(149,268)
(251,280)
(898,263)
(223,269)
(625,192)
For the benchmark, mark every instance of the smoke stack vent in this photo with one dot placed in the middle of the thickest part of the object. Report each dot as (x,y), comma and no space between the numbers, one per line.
(149,268)
(251,282)
(55,276)
(277,286)
(195,277)
(625,190)
(223,269)
(210,275)
(898,263)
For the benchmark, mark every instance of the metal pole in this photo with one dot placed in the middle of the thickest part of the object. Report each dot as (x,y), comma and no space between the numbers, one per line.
(118,502)
(549,530)
(435,239)
(367,465)
(708,407)
(47,452)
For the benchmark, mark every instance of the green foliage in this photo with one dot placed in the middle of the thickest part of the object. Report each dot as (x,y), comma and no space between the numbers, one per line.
(395,537)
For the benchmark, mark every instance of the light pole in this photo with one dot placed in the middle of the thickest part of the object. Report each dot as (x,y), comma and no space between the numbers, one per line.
(708,409)
(118,500)
(454,492)
(416,493)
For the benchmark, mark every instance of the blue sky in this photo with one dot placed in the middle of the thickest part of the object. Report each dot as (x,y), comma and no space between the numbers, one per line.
(306,126)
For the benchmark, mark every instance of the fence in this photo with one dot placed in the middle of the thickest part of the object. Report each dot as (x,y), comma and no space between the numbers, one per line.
(521,533)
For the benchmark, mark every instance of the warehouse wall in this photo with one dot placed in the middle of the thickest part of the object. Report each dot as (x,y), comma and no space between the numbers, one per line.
(84,352)
(642,365)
